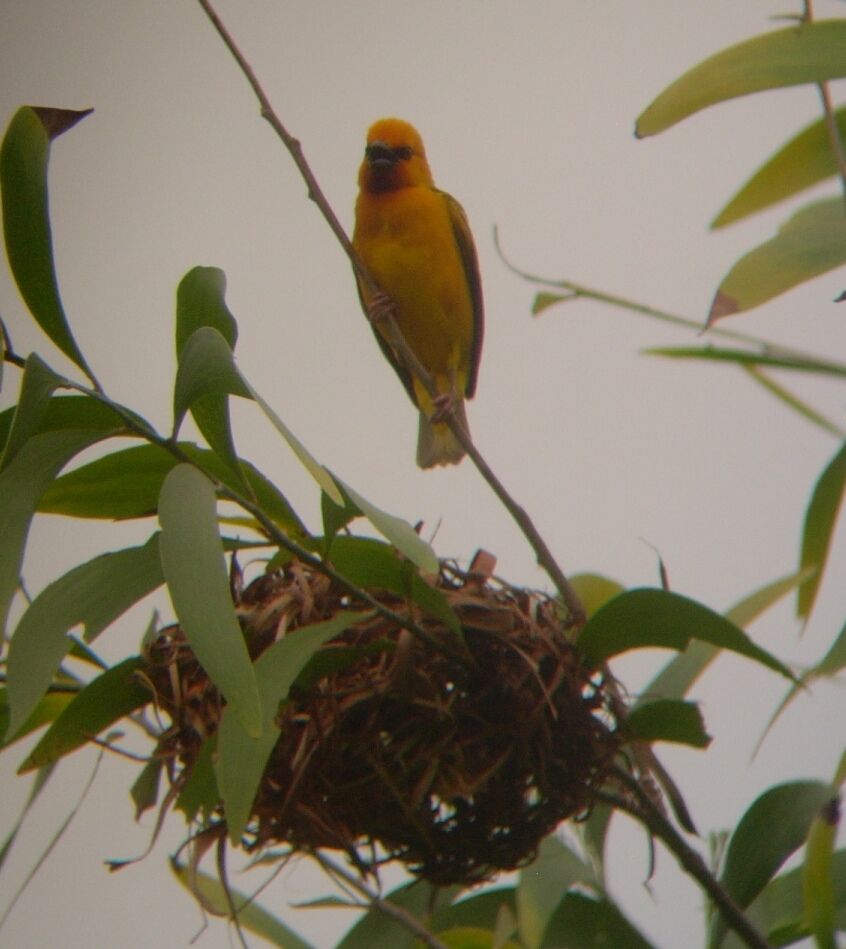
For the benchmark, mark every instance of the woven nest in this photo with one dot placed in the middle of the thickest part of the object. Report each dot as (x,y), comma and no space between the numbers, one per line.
(455,762)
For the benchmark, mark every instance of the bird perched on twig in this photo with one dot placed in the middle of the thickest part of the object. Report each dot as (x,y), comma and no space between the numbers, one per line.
(416,243)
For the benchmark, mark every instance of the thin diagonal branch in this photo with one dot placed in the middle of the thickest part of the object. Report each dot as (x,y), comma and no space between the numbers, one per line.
(828,111)
(406,355)
(392,910)
(646,812)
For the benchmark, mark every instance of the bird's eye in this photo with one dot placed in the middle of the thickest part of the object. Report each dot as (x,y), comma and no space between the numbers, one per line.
(404,152)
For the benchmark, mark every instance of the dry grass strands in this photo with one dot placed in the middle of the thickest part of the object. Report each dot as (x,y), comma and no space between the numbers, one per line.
(456,769)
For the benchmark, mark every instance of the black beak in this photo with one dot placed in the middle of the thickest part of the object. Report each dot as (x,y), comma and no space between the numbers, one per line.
(380,155)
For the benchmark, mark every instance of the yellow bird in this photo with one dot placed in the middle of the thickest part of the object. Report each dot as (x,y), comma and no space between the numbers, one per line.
(416,243)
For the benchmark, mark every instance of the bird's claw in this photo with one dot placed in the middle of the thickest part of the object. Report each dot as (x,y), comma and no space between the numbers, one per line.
(380,308)
(444,406)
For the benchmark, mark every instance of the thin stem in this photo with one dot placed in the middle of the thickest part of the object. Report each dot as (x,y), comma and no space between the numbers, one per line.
(574,291)
(398,342)
(828,111)
(646,811)
(397,913)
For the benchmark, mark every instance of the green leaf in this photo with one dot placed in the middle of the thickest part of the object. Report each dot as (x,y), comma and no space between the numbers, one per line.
(817,531)
(541,886)
(591,922)
(375,930)
(373,564)
(775,825)
(200,794)
(241,757)
(201,301)
(24,156)
(335,517)
(595,590)
(792,401)
(195,571)
(746,358)
(127,483)
(37,386)
(808,53)
(105,700)
(145,789)
(803,162)
(47,710)
(594,832)
(398,532)
(308,461)
(682,671)
(206,364)
(778,910)
(204,379)
(668,720)
(817,880)
(93,594)
(648,617)
(251,915)
(544,300)
(810,243)
(21,485)
(71,411)
(482,910)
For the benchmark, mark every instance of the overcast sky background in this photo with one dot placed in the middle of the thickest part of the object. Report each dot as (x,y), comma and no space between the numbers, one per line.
(527,111)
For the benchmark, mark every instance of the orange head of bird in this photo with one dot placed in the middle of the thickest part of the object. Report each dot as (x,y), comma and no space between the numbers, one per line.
(394,157)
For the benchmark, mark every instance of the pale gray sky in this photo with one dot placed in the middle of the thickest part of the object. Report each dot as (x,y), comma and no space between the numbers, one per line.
(527,111)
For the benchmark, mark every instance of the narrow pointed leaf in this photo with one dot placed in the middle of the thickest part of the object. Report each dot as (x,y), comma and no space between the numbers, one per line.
(545,300)
(648,617)
(595,590)
(21,486)
(308,461)
(241,758)
(201,301)
(807,53)
(373,564)
(803,162)
(205,378)
(778,910)
(482,909)
(104,701)
(196,575)
(682,671)
(792,401)
(252,917)
(745,357)
(541,886)
(93,594)
(200,794)
(817,879)
(145,788)
(810,243)
(775,826)
(37,386)
(399,532)
(668,720)
(47,710)
(375,930)
(24,157)
(820,518)
(592,921)
(127,484)
(69,411)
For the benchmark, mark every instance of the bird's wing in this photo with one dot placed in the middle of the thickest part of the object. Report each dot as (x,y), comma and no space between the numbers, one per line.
(467,251)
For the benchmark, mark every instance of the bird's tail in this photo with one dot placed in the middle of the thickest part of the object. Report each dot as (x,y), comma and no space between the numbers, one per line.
(436,444)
